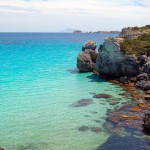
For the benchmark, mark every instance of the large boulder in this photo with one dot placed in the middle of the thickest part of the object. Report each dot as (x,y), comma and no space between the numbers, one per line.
(84,62)
(89,45)
(111,61)
(93,55)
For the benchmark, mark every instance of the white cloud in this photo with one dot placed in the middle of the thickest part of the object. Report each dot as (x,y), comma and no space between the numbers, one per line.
(127,10)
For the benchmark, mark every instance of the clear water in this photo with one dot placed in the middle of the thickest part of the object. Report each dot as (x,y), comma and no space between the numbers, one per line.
(36,93)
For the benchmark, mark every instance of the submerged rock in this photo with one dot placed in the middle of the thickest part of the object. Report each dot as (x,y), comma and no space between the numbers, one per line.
(114,103)
(87,128)
(95,129)
(84,128)
(82,102)
(84,62)
(2,148)
(89,45)
(102,96)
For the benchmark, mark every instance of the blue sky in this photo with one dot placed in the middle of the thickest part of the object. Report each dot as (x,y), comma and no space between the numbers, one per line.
(87,15)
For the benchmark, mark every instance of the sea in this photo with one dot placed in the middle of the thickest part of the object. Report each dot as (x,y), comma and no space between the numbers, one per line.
(39,85)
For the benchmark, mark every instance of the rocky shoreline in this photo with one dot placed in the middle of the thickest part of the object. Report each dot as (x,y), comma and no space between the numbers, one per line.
(130,71)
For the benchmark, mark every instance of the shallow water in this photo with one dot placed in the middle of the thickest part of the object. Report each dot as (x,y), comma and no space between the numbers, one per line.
(37,90)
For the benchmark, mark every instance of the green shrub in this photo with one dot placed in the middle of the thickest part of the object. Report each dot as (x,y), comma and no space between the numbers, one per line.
(138,46)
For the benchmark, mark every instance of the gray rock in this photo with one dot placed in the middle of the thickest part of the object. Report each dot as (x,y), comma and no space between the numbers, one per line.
(123,79)
(142,77)
(84,62)
(143,59)
(146,120)
(141,84)
(111,61)
(133,79)
(146,86)
(146,68)
(89,45)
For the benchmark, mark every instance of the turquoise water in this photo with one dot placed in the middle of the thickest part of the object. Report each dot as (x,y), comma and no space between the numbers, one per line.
(37,90)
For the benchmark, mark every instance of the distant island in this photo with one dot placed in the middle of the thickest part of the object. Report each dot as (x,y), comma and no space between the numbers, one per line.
(69,30)
(98,32)
(104,32)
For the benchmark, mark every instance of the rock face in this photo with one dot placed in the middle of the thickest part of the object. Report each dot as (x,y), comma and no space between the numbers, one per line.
(93,55)
(111,61)
(129,33)
(89,45)
(84,62)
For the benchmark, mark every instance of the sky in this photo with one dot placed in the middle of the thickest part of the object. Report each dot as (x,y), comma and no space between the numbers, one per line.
(85,15)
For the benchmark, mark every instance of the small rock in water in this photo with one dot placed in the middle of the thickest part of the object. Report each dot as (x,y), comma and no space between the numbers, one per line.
(97,121)
(2,148)
(95,129)
(94,112)
(82,102)
(84,128)
(102,96)
(114,103)
(86,116)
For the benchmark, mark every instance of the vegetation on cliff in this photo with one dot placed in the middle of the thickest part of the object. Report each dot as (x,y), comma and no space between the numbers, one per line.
(138,45)
(144,29)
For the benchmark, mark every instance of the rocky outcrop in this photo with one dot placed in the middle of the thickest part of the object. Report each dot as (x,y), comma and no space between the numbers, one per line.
(89,45)
(113,62)
(87,59)
(84,62)
(129,33)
